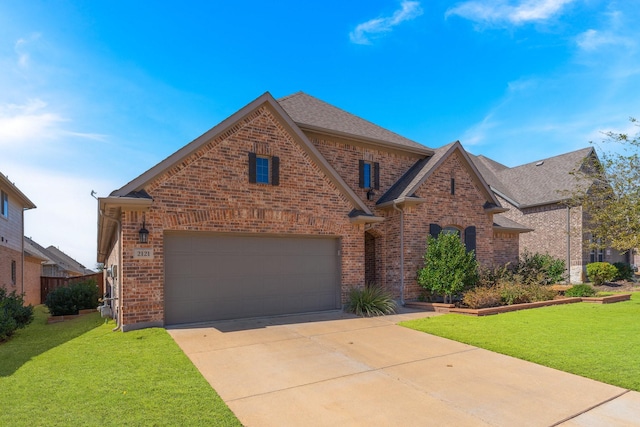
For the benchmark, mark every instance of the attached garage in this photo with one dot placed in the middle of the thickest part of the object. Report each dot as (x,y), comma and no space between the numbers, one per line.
(228,276)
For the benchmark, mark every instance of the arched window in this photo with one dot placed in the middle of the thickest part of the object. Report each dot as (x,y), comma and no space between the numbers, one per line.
(451,230)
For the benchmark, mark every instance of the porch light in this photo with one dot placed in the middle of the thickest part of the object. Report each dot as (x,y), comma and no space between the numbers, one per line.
(143,234)
(370,194)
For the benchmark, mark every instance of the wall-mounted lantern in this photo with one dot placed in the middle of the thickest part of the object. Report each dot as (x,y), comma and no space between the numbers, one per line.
(143,234)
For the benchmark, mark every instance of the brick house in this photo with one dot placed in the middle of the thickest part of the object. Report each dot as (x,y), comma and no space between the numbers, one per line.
(282,208)
(13,203)
(537,195)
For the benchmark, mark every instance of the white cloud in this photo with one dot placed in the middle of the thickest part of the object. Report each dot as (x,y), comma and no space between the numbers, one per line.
(20,48)
(34,122)
(592,40)
(501,12)
(363,32)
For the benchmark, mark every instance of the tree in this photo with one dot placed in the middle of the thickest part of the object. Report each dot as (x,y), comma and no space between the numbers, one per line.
(448,268)
(611,201)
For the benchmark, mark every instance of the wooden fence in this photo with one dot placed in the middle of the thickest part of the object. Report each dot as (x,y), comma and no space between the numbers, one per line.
(48,284)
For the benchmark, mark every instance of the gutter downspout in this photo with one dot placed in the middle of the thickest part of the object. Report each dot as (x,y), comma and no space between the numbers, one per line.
(569,245)
(401,251)
(117,279)
(22,252)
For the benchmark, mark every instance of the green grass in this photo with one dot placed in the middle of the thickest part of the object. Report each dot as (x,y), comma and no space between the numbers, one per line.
(79,372)
(592,340)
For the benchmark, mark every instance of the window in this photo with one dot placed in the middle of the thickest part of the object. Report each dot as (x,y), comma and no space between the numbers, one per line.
(4,208)
(597,253)
(13,272)
(453,186)
(264,169)
(468,236)
(450,230)
(369,175)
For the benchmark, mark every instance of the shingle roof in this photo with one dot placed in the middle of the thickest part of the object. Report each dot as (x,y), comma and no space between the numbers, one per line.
(310,112)
(537,183)
(409,183)
(66,262)
(505,223)
(543,181)
(35,250)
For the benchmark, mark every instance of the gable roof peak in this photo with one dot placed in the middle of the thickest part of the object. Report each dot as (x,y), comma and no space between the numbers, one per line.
(311,113)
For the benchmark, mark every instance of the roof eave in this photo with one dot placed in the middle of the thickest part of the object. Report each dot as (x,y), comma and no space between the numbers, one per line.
(371,141)
(27,204)
(402,202)
(496,210)
(109,209)
(512,229)
(550,202)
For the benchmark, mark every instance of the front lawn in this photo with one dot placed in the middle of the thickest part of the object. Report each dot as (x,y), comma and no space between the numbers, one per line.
(592,340)
(79,372)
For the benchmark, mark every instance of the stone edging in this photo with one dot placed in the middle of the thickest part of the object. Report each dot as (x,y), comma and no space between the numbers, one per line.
(57,319)
(450,308)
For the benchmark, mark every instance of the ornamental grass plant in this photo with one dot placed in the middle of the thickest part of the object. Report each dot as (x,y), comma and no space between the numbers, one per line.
(370,301)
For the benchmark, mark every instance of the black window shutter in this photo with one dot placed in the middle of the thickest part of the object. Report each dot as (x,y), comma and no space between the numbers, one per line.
(434,230)
(361,173)
(470,238)
(376,176)
(275,170)
(252,167)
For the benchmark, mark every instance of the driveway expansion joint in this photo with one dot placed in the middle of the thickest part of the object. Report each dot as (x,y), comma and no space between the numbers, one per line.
(604,402)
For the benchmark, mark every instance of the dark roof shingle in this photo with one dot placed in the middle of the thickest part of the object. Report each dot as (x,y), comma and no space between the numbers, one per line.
(305,110)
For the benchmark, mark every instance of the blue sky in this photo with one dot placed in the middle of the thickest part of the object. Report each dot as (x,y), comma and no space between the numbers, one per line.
(93,93)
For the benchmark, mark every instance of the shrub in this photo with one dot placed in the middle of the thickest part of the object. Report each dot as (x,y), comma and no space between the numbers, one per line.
(60,302)
(625,272)
(448,268)
(541,293)
(540,268)
(85,294)
(482,297)
(601,272)
(70,299)
(513,293)
(580,291)
(507,292)
(491,276)
(370,301)
(13,314)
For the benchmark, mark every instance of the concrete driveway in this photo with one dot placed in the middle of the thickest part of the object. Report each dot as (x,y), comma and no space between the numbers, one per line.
(334,369)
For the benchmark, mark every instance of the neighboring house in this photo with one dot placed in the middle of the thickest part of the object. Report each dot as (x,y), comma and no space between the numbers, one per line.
(56,263)
(537,195)
(33,262)
(13,203)
(284,207)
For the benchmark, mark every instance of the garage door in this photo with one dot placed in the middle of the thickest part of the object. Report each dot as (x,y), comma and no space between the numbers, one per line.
(215,277)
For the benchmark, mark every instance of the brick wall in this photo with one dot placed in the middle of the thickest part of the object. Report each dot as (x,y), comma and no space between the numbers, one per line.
(7,255)
(506,248)
(344,157)
(463,209)
(551,235)
(210,191)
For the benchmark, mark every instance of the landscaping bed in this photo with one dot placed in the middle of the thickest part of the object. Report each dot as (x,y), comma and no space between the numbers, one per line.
(62,318)
(451,308)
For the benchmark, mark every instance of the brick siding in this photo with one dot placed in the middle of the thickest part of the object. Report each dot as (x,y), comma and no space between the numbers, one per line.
(210,191)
